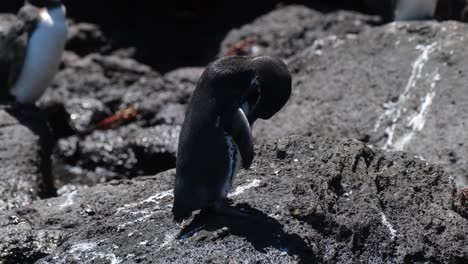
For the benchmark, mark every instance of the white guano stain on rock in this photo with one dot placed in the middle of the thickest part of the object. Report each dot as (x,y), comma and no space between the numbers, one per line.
(152,199)
(168,239)
(88,252)
(386,223)
(69,200)
(243,188)
(146,213)
(417,121)
(395,111)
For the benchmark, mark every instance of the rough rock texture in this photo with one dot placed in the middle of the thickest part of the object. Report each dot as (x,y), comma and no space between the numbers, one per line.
(305,199)
(86,38)
(25,166)
(113,154)
(89,91)
(398,87)
(290,29)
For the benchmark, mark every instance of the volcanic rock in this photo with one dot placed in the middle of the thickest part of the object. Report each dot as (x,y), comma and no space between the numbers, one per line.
(25,158)
(397,87)
(304,199)
(86,38)
(288,30)
(88,156)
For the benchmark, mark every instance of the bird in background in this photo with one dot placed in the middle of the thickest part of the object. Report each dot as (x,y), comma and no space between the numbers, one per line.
(46,41)
(405,10)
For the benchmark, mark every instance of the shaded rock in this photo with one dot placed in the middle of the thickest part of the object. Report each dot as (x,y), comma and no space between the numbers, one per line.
(323,201)
(113,154)
(156,148)
(117,83)
(24,241)
(94,90)
(171,114)
(104,78)
(100,81)
(24,160)
(397,87)
(289,30)
(84,113)
(167,95)
(86,38)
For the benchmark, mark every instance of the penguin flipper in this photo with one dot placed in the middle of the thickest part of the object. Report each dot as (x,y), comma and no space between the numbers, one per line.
(242,135)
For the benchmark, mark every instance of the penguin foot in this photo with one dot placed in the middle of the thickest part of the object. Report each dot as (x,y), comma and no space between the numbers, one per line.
(230,212)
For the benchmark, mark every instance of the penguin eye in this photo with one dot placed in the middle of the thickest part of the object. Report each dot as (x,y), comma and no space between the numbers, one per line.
(253,84)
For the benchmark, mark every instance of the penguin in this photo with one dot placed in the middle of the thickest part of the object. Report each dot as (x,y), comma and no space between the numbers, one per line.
(216,139)
(414,9)
(43,52)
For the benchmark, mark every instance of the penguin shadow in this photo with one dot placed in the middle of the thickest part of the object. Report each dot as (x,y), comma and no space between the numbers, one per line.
(36,121)
(259,229)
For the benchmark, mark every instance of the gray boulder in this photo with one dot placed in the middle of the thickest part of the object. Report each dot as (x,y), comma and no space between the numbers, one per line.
(24,159)
(145,144)
(397,87)
(288,30)
(124,152)
(86,38)
(305,200)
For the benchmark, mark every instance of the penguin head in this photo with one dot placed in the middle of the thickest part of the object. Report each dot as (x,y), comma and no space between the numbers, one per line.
(45,3)
(245,89)
(260,86)
(272,84)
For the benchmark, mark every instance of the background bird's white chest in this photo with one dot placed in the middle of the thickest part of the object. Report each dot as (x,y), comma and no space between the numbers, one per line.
(414,9)
(43,55)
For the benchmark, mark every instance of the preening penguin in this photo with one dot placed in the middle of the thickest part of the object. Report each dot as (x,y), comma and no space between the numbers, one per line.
(43,53)
(414,9)
(216,138)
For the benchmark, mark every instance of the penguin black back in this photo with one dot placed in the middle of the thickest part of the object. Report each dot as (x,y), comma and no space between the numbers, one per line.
(230,95)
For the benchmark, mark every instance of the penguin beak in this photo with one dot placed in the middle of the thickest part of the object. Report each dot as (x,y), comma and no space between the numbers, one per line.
(242,136)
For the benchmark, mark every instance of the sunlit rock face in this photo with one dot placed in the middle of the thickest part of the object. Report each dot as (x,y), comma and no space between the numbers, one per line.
(398,87)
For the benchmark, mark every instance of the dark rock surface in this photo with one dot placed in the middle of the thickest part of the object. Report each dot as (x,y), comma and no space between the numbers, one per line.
(90,90)
(25,166)
(86,38)
(305,199)
(124,152)
(398,87)
(288,30)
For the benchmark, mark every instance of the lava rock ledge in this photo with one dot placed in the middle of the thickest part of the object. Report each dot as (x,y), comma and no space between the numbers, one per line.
(306,200)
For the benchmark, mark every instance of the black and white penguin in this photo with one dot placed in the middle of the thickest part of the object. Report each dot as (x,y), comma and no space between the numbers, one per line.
(216,140)
(44,50)
(414,9)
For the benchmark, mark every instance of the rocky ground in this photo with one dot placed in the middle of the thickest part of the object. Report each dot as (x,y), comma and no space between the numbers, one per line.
(376,173)
(305,200)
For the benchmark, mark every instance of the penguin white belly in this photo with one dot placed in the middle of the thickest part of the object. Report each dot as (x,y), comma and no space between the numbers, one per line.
(43,55)
(415,9)
(235,162)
